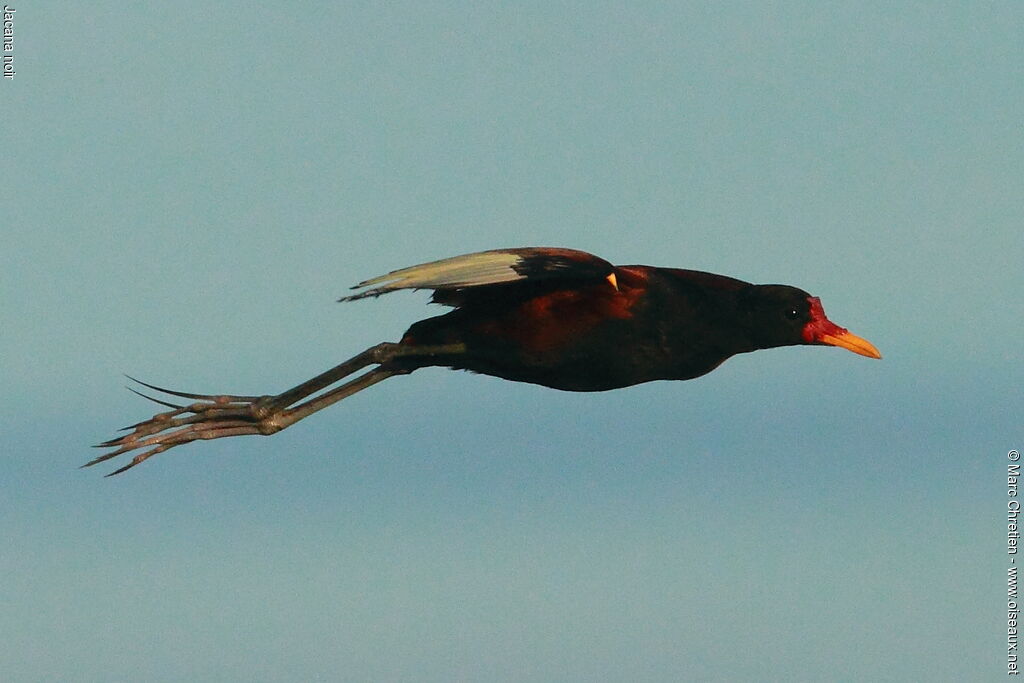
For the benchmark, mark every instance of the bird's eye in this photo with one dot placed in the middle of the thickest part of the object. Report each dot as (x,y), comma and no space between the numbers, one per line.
(792,313)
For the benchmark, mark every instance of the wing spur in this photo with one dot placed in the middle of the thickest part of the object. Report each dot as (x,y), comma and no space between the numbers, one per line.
(488,268)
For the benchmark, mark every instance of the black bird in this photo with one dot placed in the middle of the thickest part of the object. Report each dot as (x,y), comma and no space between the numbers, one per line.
(560,318)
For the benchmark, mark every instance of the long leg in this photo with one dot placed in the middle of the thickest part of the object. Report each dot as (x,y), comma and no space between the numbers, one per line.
(218,416)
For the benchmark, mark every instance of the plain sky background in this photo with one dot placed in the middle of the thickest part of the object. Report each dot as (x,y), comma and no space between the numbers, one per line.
(188,187)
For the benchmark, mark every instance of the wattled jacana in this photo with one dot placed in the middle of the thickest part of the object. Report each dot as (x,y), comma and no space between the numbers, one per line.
(557,317)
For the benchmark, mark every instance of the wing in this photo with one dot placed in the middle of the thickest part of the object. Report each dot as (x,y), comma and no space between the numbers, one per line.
(495,268)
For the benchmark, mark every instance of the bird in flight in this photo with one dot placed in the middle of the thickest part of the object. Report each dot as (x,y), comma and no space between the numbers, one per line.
(560,318)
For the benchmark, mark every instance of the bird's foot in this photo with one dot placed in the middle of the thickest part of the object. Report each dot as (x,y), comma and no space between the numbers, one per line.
(207,417)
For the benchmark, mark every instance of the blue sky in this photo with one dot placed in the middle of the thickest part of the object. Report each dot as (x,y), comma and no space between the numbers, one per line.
(188,187)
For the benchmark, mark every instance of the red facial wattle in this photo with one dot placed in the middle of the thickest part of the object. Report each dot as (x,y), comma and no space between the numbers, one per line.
(821,330)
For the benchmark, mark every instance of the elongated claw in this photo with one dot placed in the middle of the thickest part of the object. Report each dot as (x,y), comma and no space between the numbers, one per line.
(220,398)
(154,400)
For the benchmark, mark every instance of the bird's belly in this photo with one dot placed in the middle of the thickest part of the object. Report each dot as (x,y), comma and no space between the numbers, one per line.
(595,362)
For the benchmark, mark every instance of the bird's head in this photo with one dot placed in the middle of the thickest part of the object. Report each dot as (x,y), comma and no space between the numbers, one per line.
(783,316)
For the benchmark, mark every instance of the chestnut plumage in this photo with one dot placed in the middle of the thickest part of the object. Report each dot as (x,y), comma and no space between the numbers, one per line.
(560,318)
